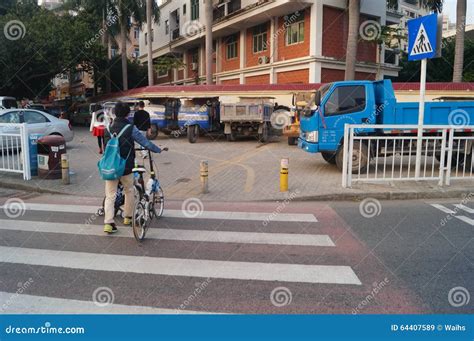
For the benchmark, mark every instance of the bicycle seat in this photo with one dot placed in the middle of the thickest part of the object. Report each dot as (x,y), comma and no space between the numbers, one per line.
(139,169)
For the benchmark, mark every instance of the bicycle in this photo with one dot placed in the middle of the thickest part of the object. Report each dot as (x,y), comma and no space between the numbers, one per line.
(149,200)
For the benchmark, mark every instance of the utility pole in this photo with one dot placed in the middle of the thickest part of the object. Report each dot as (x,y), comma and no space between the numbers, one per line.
(209,58)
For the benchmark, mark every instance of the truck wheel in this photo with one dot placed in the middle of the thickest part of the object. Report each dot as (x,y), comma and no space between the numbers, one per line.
(230,137)
(263,137)
(193,133)
(329,157)
(153,133)
(292,141)
(360,157)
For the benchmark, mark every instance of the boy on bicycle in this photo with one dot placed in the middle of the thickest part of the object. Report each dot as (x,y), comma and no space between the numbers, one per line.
(127,152)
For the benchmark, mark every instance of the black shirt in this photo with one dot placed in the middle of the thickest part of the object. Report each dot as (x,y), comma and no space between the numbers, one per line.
(141,120)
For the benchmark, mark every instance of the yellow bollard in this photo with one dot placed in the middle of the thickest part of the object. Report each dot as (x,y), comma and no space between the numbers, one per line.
(65,169)
(204,170)
(284,175)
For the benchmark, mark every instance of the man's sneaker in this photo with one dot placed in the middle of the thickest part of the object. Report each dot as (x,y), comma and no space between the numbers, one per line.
(110,228)
(127,221)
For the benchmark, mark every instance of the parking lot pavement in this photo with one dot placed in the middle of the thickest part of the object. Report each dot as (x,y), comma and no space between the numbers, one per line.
(245,170)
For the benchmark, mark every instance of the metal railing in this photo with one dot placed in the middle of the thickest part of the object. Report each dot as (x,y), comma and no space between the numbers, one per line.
(14,149)
(390,154)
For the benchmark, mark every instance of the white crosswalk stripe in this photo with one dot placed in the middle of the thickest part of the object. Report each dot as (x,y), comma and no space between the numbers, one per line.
(456,212)
(174,234)
(222,215)
(32,304)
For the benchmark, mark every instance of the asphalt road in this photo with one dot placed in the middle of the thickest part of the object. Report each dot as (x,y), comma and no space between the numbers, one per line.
(284,257)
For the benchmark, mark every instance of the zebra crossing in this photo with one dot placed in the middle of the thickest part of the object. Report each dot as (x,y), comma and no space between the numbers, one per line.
(68,261)
(459,211)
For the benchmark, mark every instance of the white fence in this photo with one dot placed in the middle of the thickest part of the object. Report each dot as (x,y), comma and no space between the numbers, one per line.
(14,149)
(446,153)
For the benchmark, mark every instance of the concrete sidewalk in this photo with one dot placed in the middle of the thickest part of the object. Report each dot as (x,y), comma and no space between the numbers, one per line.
(238,171)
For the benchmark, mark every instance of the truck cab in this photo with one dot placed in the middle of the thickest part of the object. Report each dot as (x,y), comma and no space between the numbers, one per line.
(338,103)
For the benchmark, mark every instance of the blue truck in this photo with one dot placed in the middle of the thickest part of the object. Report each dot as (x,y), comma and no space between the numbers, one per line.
(367,102)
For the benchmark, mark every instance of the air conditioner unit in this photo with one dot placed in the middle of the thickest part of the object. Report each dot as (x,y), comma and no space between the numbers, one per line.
(263,60)
(194,66)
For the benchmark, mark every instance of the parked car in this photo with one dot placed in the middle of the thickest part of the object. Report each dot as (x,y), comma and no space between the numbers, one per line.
(8,102)
(38,122)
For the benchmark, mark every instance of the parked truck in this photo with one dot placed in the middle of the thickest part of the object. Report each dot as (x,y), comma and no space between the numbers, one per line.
(247,119)
(364,102)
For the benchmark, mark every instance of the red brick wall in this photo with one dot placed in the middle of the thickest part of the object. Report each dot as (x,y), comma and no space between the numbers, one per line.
(235,81)
(188,62)
(333,75)
(180,74)
(293,77)
(335,28)
(164,79)
(231,64)
(297,50)
(252,58)
(262,79)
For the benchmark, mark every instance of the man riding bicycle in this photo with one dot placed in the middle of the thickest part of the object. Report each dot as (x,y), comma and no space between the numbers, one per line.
(126,144)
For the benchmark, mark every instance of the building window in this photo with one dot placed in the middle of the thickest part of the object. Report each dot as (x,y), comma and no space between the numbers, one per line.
(231,46)
(136,53)
(114,50)
(195,9)
(162,72)
(184,9)
(136,33)
(167,27)
(295,32)
(260,38)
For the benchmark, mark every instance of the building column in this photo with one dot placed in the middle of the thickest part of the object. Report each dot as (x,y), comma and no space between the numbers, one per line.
(273,40)
(243,48)
(185,60)
(316,29)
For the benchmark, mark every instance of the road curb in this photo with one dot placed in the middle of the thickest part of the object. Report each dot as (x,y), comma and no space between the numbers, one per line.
(389,195)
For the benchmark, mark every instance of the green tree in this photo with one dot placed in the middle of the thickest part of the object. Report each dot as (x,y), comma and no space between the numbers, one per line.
(168,63)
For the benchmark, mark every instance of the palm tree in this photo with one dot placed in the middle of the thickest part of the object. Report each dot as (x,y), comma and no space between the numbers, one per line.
(128,11)
(149,14)
(461,8)
(352,38)
(208,18)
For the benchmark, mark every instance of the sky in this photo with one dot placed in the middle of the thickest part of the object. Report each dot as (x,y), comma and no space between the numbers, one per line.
(450,10)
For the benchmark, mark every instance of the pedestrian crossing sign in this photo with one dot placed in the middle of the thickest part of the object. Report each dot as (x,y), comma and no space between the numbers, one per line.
(423,36)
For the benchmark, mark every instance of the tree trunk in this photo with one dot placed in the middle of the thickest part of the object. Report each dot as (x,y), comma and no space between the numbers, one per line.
(151,73)
(123,51)
(459,49)
(352,39)
(209,57)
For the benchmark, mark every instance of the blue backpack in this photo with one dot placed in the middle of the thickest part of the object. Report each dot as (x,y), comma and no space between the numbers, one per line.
(112,165)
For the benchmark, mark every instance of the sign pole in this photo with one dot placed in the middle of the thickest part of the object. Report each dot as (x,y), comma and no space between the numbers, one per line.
(421,117)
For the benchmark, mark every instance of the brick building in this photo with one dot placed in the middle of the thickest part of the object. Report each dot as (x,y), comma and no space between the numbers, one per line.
(267,41)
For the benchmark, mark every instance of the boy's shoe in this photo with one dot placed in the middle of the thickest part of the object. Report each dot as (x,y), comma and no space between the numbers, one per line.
(110,228)
(127,221)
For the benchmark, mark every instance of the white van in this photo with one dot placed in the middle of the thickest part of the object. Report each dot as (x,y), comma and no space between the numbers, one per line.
(8,102)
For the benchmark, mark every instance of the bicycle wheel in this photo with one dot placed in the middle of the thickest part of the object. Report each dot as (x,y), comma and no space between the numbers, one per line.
(140,220)
(158,202)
